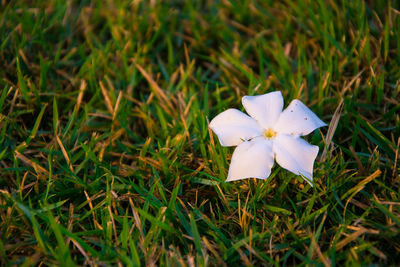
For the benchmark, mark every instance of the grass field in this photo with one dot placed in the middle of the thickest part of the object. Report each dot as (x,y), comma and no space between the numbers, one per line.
(106,157)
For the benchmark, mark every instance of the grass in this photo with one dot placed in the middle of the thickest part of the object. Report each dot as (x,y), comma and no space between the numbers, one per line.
(105,153)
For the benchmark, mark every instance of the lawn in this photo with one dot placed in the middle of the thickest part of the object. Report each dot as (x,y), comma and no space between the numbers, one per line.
(106,157)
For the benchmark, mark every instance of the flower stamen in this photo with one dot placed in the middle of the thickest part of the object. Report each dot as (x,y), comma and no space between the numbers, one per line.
(269,133)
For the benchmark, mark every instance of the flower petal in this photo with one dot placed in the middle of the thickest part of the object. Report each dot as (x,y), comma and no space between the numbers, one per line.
(297,119)
(264,108)
(295,154)
(233,127)
(251,159)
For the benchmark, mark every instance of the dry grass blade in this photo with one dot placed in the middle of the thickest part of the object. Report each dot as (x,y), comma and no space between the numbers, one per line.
(353,191)
(106,98)
(349,84)
(332,128)
(96,224)
(117,105)
(113,223)
(137,220)
(376,174)
(396,158)
(82,89)
(64,153)
(213,251)
(38,169)
(358,161)
(350,238)
(156,89)
(324,260)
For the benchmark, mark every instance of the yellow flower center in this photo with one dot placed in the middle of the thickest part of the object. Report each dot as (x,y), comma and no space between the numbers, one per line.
(269,133)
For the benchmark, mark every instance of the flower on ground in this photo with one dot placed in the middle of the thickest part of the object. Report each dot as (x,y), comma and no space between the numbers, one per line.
(267,134)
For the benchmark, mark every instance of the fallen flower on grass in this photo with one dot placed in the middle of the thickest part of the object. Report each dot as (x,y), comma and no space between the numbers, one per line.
(267,134)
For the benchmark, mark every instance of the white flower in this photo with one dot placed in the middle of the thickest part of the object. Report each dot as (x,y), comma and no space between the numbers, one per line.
(268,134)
